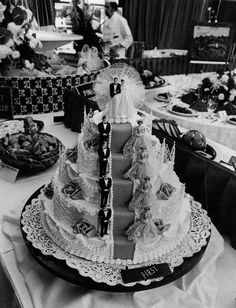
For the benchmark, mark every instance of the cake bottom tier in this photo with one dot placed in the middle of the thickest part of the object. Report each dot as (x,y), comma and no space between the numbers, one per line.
(113,248)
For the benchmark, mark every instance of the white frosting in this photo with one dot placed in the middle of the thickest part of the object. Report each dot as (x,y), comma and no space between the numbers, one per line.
(62,213)
(99,250)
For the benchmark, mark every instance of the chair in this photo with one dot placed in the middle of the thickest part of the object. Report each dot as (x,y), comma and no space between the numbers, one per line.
(209,182)
(136,50)
(48,28)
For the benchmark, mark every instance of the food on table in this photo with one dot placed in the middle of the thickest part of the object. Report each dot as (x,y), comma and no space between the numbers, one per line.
(150,80)
(24,144)
(181,109)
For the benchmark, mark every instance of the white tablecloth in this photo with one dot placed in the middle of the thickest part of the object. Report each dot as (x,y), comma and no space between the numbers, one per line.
(36,288)
(223,133)
(196,289)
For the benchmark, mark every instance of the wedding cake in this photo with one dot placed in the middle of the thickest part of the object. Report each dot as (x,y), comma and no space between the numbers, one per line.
(141,216)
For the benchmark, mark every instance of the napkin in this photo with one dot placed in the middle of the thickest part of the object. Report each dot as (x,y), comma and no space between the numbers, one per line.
(194,102)
(229,108)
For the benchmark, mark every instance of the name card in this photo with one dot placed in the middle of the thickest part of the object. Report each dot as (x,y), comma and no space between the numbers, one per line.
(86,89)
(222,114)
(8,173)
(6,111)
(145,273)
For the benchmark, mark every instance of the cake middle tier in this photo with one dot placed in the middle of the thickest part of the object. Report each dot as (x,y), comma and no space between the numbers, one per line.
(120,164)
(120,134)
(122,192)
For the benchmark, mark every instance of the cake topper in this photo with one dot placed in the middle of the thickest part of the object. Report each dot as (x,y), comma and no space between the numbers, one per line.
(104,218)
(105,185)
(104,154)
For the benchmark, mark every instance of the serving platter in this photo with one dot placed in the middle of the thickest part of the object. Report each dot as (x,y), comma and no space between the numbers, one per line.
(107,277)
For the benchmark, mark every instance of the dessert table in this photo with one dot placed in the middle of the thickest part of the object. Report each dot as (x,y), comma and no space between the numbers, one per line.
(214,129)
(35,287)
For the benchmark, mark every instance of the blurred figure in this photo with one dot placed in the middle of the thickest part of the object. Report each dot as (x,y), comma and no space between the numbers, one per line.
(117,36)
(81,19)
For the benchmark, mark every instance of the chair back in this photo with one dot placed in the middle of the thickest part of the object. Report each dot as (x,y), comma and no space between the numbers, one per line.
(136,50)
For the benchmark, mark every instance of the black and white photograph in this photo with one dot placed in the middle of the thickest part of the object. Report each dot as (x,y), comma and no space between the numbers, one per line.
(118,153)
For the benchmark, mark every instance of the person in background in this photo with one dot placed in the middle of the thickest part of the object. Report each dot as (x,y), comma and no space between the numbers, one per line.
(117,36)
(77,16)
(81,19)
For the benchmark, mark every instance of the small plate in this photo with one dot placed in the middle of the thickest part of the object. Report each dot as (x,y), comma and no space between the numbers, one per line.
(162,98)
(188,115)
(231,122)
(157,85)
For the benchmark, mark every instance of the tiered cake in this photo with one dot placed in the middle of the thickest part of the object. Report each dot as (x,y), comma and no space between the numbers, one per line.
(72,202)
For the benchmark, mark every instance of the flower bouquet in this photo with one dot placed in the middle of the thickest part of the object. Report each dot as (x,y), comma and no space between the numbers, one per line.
(17,44)
(220,88)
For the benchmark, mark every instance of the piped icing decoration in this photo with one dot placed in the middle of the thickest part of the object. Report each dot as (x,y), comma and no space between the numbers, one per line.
(73,191)
(165,192)
(85,228)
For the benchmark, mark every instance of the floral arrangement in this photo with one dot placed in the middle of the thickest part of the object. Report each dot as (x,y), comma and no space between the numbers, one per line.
(16,41)
(221,88)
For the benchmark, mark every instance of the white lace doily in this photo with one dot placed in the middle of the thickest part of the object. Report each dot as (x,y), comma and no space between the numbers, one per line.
(195,239)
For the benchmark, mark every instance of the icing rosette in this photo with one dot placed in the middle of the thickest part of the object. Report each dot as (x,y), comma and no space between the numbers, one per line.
(84,228)
(165,191)
(73,191)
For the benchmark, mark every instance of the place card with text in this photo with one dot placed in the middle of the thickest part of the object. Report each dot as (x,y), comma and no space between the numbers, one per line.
(8,173)
(222,114)
(145,273)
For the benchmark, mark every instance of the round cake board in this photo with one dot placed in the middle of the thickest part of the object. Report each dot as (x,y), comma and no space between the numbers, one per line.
(61,268)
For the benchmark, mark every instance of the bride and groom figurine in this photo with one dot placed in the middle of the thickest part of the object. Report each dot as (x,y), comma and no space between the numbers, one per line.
(116,87)
(120,108)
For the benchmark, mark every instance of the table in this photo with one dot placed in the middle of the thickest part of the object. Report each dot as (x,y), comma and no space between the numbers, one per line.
(53,39)
(221,132)
(37,288)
